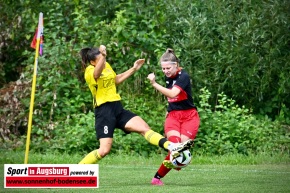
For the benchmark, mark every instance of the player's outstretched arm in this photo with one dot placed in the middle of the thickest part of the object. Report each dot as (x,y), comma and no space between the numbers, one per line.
(123,76)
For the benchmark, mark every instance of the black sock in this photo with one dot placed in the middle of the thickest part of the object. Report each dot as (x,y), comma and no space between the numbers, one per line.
(157,176)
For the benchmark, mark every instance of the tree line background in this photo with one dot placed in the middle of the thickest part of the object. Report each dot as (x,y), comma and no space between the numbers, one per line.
(237,53)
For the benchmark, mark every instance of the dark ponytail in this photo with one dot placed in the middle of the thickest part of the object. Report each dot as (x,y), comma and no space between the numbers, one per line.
(88,54)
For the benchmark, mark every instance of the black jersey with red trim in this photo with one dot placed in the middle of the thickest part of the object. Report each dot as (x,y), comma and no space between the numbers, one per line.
(183,100)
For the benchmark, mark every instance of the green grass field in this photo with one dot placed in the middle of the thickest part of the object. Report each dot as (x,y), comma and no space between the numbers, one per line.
(124,174)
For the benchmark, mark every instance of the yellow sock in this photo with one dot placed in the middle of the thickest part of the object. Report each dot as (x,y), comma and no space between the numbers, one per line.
(166,144)
(156,139)
(91,158)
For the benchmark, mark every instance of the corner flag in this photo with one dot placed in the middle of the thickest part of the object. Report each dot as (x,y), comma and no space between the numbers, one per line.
(38,49)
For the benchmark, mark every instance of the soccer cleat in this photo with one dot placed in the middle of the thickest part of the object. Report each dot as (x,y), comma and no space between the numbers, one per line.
(157,182)
(169,165)
(181,147)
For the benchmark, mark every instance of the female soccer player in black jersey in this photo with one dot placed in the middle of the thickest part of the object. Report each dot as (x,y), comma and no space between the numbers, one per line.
(182,119)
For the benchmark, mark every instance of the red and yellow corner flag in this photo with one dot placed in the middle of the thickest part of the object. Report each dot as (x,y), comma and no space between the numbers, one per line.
(37,44)
(41,39)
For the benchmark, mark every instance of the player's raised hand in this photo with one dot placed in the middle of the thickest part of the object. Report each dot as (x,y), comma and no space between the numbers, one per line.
(138,63)
(103,50)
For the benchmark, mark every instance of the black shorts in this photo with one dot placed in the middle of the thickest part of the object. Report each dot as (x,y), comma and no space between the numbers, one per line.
(109,116)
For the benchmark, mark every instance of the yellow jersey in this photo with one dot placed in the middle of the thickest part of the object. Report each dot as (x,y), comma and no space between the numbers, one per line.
(104,88)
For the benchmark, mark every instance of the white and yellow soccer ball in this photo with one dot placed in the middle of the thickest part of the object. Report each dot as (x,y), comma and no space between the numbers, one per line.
(182,160)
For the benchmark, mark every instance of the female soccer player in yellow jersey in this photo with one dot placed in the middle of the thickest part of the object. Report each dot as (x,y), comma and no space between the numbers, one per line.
(109,112)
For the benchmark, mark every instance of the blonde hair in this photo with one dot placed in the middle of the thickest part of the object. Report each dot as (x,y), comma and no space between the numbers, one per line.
(169,56)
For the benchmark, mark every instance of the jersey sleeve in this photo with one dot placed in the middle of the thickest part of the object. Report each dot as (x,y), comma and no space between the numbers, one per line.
(89,76)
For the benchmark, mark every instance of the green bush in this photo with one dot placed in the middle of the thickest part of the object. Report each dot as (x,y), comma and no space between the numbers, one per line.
(233,129)
(75,134)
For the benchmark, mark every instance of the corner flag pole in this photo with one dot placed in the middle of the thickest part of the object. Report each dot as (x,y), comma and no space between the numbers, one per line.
(39,33)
